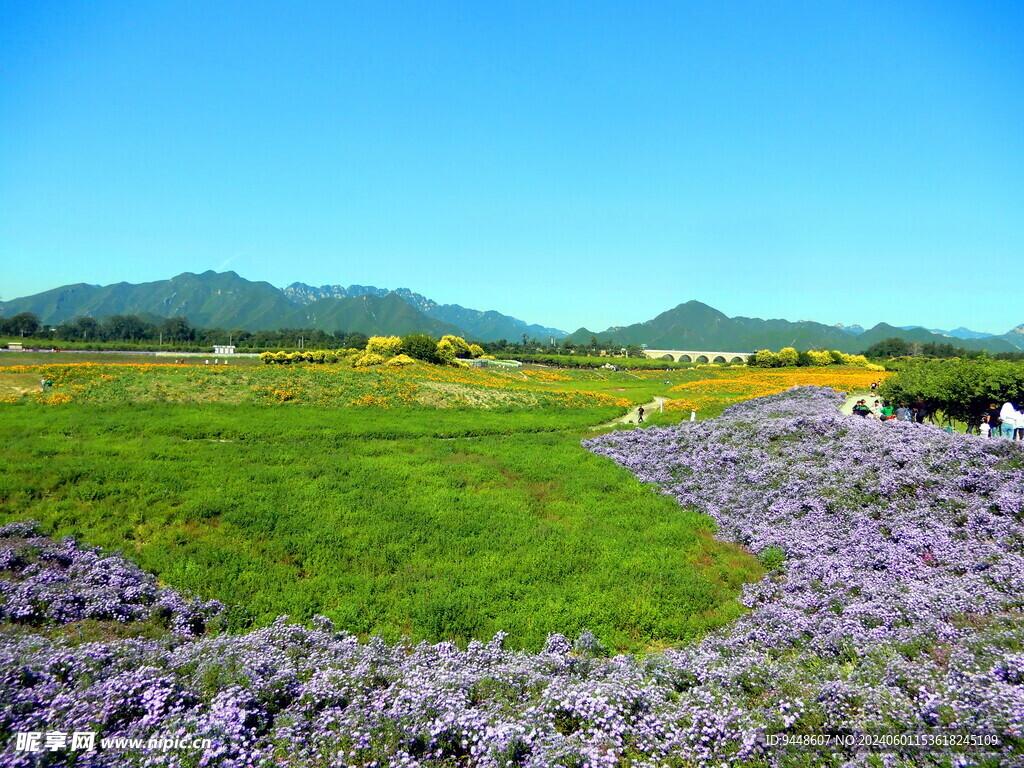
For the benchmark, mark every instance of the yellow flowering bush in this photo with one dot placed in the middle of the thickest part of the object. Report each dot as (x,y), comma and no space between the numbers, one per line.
(367,359)
(445,352)
(788,356)
(385,346)
(458,343)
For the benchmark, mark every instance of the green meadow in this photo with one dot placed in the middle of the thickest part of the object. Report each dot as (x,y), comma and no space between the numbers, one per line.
(422,522)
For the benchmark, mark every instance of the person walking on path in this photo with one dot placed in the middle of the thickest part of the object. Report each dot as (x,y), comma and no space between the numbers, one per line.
(640,415)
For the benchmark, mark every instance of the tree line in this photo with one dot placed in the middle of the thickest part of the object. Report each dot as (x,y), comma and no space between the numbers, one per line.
(172,331)
(897,347)
(142,332)
(958,388)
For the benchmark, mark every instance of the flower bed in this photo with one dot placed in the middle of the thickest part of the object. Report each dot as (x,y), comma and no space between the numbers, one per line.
(897,602)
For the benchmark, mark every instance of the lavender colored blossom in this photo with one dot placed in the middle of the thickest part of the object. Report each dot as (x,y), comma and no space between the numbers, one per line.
(50,583)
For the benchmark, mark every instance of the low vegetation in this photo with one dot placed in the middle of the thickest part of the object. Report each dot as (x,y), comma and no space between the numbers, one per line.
(788,357)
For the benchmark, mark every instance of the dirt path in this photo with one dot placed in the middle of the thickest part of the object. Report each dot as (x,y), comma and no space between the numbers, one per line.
(629,418)
(634,413)
(851,400)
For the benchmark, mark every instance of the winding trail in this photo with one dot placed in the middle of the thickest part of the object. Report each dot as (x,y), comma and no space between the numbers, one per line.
(634,413)
(629,418)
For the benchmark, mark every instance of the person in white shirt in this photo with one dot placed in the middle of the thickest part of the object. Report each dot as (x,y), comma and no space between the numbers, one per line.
(1011,419)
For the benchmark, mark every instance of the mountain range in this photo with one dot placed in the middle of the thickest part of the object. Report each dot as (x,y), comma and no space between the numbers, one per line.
(956,333)
(226,300)
(697,326)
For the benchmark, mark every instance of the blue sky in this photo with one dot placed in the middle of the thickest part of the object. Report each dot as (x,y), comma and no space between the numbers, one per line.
(572,164)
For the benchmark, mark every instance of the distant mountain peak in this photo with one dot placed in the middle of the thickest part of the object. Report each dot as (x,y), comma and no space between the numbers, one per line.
(487,325)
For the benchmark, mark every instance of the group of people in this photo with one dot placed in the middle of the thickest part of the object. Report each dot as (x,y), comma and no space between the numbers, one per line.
(886,412)
(1006,422)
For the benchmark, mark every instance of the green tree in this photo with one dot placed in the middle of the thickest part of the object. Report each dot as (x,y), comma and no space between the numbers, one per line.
(891,347)
(176,329)
(421,347)
(356,340)
(25,323)
(125,328)
(81,328)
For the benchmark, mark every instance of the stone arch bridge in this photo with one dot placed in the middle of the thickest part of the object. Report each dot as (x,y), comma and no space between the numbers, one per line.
(689,356)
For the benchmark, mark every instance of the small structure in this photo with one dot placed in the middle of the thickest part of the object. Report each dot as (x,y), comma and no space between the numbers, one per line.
(223,349)
(478,362)
(15,346)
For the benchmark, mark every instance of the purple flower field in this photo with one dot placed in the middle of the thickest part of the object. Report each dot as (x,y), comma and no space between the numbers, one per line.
(894,607)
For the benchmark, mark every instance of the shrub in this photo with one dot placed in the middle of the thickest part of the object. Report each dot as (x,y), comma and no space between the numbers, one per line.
(385,346)
(459,344)
(788,356)
(772,557)
(367,359)
(400,360)
(420,346)
(820,357)
(445,351)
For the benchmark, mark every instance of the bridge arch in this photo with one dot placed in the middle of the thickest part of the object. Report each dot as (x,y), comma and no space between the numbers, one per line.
(691,356)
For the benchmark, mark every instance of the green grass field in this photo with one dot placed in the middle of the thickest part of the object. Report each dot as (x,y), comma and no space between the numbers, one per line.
(392,525)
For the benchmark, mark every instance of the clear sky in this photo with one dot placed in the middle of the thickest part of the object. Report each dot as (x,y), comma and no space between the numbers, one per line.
(570,163)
